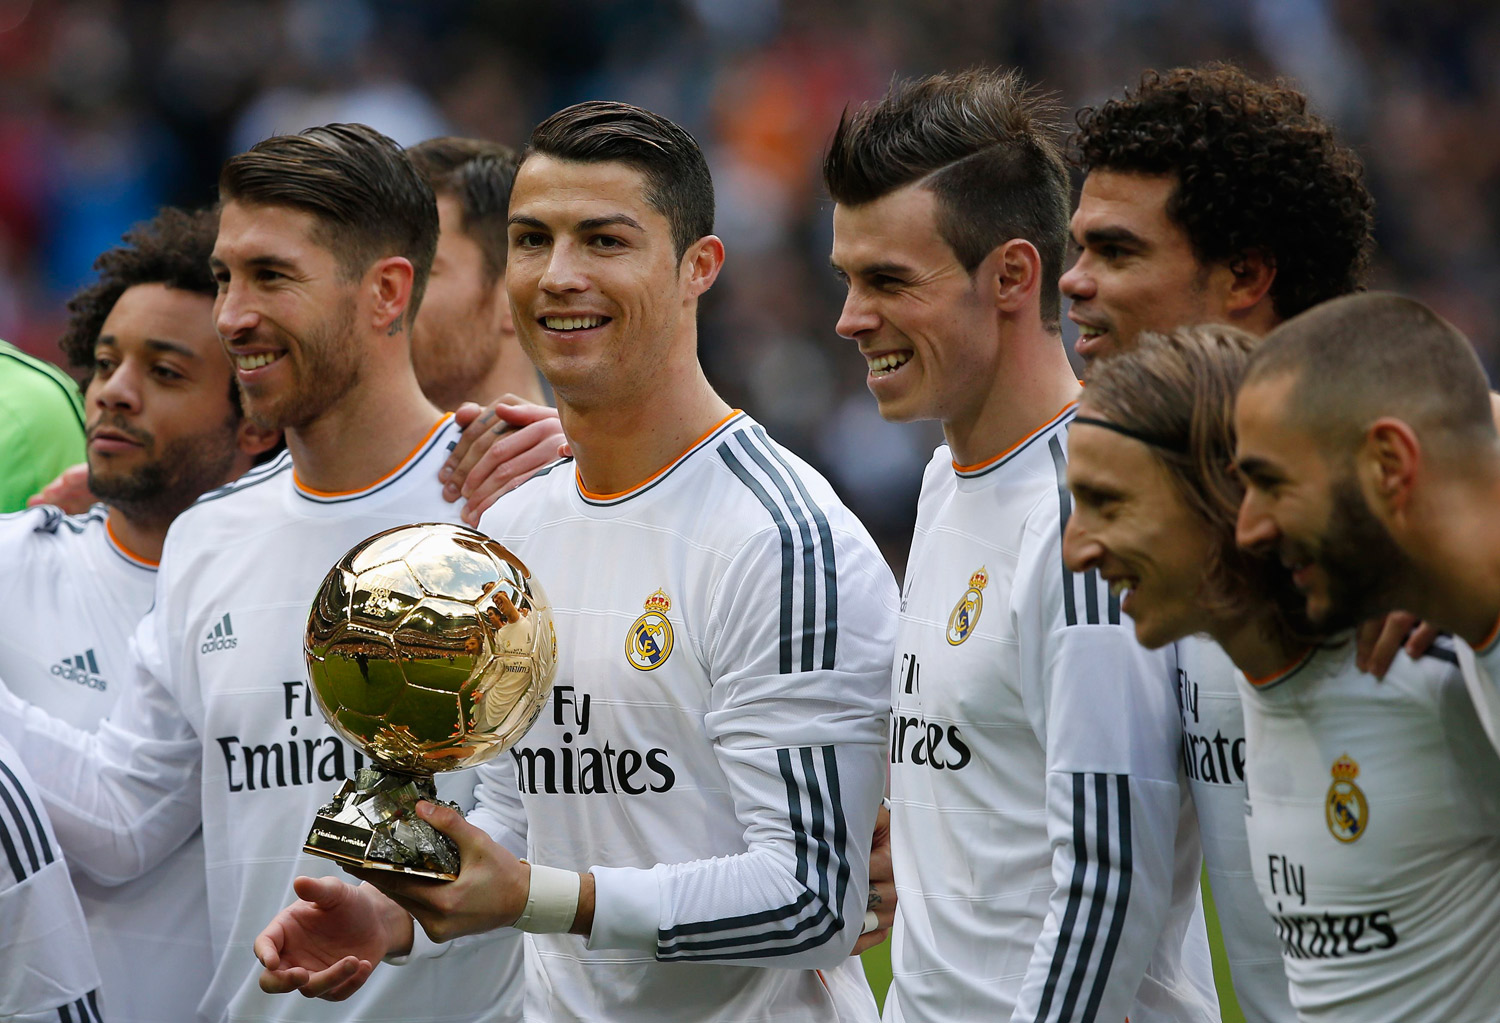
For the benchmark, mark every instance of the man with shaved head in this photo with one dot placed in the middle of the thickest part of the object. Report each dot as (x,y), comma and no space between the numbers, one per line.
(1372,466)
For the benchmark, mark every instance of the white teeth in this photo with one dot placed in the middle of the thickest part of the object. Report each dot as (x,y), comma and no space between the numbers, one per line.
(1119,587)
(883,364)
(572,322)
(257,360)
(1090,332)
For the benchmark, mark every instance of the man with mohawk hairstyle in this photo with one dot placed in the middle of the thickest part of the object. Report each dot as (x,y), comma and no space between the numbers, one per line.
(1046,859)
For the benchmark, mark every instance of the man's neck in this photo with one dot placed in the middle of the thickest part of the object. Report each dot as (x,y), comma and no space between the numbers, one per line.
(1456,565)
(1253,644)
(140,537)
(1032,386)
(511,373)
(365,435)
(617,445)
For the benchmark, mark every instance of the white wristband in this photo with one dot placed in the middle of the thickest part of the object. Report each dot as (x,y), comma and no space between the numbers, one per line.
(552,901)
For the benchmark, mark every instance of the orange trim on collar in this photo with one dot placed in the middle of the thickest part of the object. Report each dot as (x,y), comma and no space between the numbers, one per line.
(1281,673)
(1489,641)
(126,552)
(992,460)
(410,456)
(586,492)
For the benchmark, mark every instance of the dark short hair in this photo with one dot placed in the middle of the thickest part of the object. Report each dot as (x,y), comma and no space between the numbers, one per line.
(1177,392)
(1361,357)
(478,175)
(171,248)
(984,143)
(367,199)
(1256,172)
(678,184)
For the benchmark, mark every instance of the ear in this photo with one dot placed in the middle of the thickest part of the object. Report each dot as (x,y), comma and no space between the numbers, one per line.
(1388,463)
(253,440)
(502,320)
(701,264)
(389,283)
(1251,277)
(1016,269)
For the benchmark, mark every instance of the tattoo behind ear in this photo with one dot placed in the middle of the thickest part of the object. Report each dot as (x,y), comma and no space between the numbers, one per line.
(394,328)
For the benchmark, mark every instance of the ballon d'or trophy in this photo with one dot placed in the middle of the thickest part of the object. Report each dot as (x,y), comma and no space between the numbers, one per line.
(430,648)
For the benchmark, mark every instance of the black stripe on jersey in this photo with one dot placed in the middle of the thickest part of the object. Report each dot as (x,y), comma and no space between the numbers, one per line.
(804,532)
(33,835)
(1122,899)
(830,565)
(759,491)
(275,467)
(1442,650)
(1091,828)
(1092,583)
(815,556)
(810,818)
(93,1000)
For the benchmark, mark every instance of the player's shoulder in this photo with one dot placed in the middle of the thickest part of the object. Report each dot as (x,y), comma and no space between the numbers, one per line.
(47,528)
(243,495)
(39,379)
(752,484)
(27,836)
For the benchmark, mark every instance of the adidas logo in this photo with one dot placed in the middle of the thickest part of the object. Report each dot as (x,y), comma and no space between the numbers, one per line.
(220,637)
(81,668)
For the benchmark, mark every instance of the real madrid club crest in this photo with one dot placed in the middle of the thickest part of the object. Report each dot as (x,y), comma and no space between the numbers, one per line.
(1346,808)
(966,612)
(649,643)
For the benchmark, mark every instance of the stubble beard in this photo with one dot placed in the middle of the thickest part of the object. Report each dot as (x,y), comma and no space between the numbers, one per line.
(1360,559)
(165,485)
(325,370)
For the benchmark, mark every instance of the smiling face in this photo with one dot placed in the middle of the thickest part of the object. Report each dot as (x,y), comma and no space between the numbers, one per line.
(929,340)
(1135,270)
(161,426)
(601,302)
(1342,559)
(463,317)
(286,315)
(1130,522)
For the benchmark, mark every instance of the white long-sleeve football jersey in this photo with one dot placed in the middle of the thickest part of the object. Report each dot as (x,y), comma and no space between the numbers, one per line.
(47,972)
(221,726)
(714,746)
(1375,836)
(1046,856)
(1213,756)
(70,598)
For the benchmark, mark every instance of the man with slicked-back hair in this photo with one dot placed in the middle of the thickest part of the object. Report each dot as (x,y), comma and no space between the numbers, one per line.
(1372,467)
(701,790)
(1045,852)
(322,253)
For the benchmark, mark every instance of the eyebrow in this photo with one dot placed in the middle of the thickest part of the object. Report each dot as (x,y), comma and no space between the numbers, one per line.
(154,344)
(269,262)
(872,269)
(591,224)
(1111,235)
(1255,466)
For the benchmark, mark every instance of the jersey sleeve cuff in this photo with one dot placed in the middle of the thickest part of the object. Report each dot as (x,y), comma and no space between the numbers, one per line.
(627,908)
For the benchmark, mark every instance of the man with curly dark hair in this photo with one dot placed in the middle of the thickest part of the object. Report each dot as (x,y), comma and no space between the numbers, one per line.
(163,426)
(1210,197)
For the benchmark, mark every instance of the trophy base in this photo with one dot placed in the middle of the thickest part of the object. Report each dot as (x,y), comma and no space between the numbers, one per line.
(372,823)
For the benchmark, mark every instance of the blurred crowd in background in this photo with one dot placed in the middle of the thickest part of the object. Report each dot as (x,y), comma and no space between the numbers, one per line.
(112,108)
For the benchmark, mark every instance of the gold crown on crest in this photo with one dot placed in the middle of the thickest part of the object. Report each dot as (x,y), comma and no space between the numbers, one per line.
(1345,769)
(659,602)
(979,580)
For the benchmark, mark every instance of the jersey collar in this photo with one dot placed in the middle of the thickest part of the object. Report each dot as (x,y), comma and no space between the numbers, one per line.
(339,496)
(660,475)
(989,465)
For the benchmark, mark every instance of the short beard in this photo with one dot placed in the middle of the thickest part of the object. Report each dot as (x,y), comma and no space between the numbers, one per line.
(327,369)
(162,488)
(1361,560)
